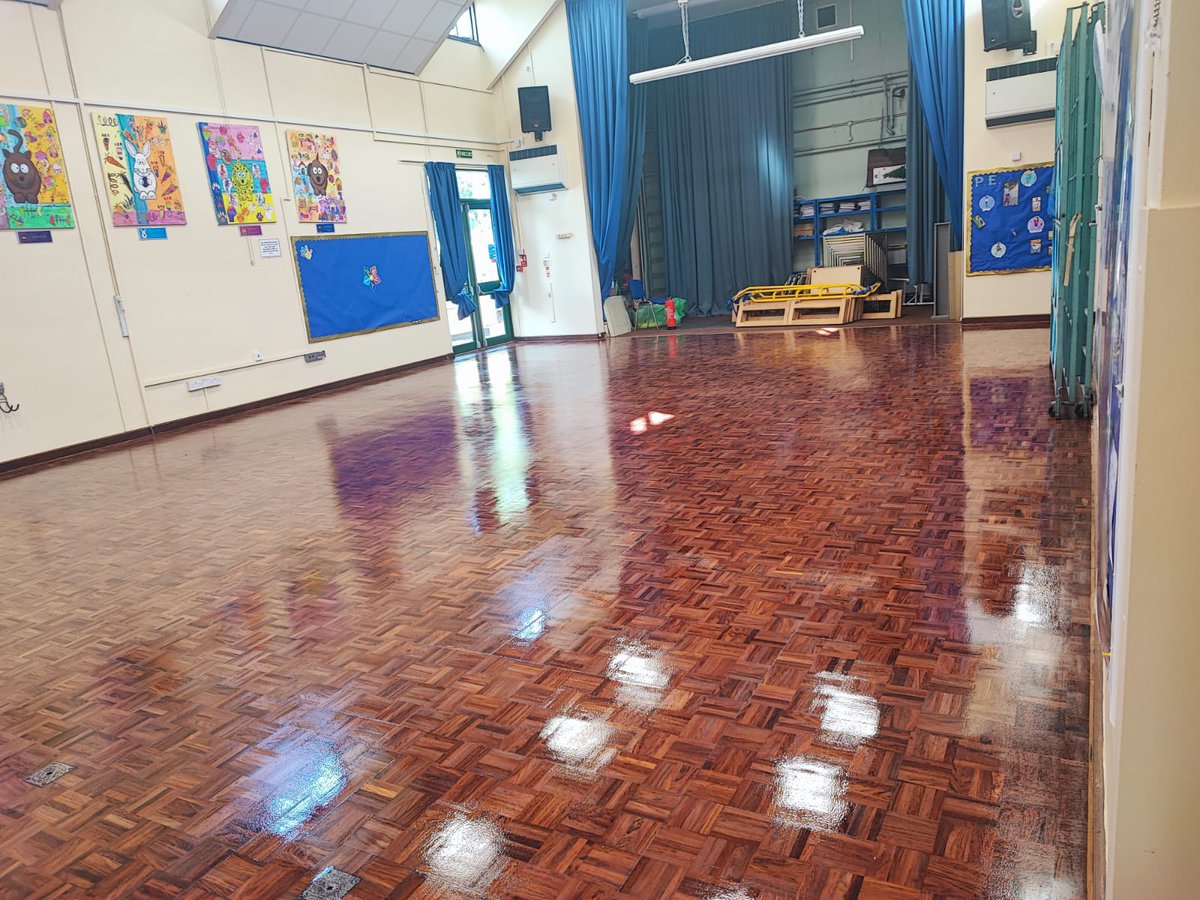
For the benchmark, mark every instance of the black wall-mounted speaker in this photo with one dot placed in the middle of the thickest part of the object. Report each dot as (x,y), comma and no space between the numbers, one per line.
(1007,26)
(535,110)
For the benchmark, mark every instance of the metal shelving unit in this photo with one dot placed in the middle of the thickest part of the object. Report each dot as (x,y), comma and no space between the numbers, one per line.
(875,205)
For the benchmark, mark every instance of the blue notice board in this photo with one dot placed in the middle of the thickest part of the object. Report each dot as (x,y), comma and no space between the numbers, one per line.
(1010,227)
(356,283)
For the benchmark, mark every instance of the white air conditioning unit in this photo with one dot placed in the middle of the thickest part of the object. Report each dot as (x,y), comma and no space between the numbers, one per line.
(536,170)
(1020,93)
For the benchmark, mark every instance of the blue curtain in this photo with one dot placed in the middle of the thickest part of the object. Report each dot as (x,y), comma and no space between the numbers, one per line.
(599,58)
(452,238)
(639,58)
(502,236)
(935,48)
(725,142)
(925,195)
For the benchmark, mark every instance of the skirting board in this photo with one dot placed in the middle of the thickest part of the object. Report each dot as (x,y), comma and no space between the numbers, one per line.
(25,464)
(1041,320)
(558,338)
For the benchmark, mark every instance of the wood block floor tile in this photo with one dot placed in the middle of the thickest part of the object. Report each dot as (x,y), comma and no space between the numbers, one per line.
(821,633)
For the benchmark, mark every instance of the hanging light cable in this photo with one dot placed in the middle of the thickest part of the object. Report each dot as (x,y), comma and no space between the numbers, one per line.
(687,65)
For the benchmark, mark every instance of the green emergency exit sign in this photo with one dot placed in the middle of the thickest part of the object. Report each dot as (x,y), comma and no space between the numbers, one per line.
(465,154)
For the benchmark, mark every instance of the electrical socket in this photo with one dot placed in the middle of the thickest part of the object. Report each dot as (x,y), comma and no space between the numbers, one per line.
(315,356)
(199,384)
(1,387)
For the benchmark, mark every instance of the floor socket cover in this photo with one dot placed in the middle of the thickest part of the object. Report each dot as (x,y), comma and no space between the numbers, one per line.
(47,774)
(330,882)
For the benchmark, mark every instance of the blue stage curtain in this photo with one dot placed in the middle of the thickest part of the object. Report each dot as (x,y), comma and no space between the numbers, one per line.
(502,235)
(926,197)
(725,141)
(599,58)
(452,238)
(639,56)
(935,48)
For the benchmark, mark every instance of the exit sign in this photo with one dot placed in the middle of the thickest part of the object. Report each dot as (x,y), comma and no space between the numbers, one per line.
(465,154)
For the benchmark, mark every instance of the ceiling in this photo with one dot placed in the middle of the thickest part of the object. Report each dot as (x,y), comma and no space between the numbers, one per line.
(390,34)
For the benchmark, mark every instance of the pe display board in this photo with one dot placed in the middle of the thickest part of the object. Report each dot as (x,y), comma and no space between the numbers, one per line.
(1011,223)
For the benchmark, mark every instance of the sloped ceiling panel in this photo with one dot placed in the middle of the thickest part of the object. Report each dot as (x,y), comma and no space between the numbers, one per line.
(391,34)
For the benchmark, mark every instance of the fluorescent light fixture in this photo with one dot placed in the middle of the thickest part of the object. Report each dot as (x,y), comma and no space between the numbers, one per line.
(740,56)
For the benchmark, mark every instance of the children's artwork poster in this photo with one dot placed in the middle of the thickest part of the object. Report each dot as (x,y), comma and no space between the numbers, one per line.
(1011,227)
(140,177)
(316,177)
(36,194)
(237,173)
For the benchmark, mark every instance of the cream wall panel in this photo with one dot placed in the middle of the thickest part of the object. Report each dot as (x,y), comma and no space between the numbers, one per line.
(312,90)
(1026,293)
(457,113)
(243,79)
(396,103)
(20,62)
(568,301)
(143,54)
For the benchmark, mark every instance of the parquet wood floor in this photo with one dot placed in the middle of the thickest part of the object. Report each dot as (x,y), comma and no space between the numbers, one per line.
(496,629)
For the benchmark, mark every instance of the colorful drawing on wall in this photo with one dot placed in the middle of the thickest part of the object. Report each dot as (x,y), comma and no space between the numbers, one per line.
(139,170)
(237,173)
(316,177)
(36,194)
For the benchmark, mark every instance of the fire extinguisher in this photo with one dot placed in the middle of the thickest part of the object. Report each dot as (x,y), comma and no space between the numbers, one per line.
(670,305)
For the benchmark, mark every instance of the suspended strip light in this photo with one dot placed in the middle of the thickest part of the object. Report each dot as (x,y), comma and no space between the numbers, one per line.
(688,66)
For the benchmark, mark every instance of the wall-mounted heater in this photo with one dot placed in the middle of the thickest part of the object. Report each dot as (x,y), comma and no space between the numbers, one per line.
(1024,92)
(536,170)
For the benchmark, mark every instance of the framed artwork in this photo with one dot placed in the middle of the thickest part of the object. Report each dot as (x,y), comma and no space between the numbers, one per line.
(34,183)
(237,173)
(316,177)
(140,177)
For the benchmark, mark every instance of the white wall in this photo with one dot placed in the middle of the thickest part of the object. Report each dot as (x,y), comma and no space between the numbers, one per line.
(552,225)
(1026,293)
(1151,730)
(200,302)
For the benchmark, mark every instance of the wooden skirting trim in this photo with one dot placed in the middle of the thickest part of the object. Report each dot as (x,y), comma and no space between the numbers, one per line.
(559,338)
(1041,320)
(25,464)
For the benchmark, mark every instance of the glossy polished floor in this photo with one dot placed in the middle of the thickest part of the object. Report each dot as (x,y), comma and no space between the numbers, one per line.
(502,628)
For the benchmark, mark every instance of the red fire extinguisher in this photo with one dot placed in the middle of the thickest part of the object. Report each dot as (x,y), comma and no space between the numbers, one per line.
(670,305)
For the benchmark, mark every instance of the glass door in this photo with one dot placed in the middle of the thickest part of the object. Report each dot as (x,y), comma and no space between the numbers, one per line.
(488,325)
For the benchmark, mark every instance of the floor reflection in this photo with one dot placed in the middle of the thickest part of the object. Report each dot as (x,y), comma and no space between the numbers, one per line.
(641,673)
(304,797)
(465,854)
(848,717)
(581,744)
(810,793)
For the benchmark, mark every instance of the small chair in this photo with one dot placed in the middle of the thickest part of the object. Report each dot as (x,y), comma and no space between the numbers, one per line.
(637,293)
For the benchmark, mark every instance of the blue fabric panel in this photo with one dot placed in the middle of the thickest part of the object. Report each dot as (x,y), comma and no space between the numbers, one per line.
(364,282)
(452,237)
(599,58)
(502,236)
(935,48)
